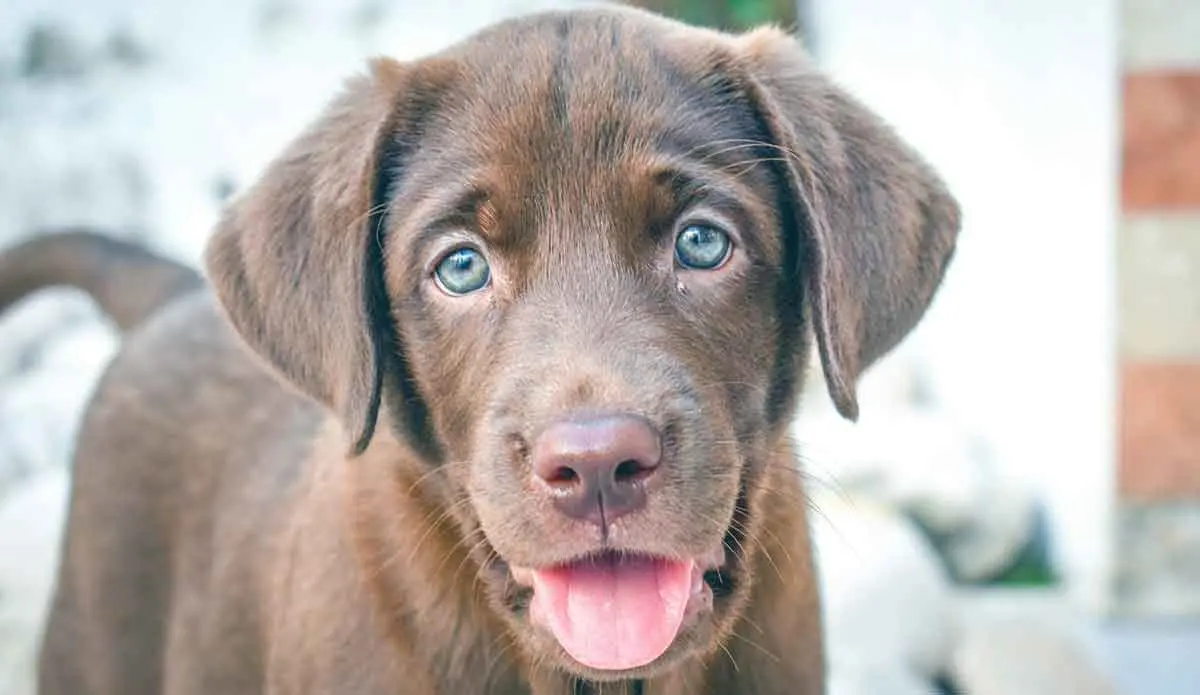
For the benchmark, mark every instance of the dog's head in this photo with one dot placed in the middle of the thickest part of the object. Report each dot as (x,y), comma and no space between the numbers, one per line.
(576,261)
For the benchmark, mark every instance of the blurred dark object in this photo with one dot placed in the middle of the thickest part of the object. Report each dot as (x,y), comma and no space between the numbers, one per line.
(124,48)
(1031,566)
(50,52)
(1034,565)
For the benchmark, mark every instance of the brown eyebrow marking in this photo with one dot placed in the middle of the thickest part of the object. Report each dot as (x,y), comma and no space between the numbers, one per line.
(487,221)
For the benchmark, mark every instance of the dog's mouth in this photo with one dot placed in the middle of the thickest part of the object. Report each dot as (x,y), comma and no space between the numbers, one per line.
(617,611)
(623,611)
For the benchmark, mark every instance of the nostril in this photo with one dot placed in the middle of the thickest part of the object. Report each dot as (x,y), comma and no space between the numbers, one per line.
(632,471)
(563,475)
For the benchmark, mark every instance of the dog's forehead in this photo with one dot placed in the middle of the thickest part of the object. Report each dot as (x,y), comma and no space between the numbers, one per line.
(598,80)
(584,109)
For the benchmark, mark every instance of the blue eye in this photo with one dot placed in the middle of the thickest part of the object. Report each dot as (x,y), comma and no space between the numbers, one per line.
(700,247)
(462,272)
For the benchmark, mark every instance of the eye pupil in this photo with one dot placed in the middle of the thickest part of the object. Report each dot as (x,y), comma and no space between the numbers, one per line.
(701,247)
(462,272)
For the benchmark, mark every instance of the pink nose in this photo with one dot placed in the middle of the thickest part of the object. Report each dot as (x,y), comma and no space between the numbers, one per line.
(597,469)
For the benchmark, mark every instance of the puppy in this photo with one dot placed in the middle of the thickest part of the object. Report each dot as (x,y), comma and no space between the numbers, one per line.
(492,390)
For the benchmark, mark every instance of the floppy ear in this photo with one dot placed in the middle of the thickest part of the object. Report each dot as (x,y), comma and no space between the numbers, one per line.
(296,262)
(881,225)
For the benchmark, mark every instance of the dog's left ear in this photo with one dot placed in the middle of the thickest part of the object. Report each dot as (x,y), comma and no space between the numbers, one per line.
(881,225)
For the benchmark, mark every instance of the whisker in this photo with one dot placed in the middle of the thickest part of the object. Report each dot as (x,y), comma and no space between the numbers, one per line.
(732,660)
(757,646)
(429,529)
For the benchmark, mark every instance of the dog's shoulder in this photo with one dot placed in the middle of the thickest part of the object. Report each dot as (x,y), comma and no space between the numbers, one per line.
(196,412)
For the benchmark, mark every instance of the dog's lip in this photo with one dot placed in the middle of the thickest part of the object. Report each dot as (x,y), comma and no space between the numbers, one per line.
(713,560)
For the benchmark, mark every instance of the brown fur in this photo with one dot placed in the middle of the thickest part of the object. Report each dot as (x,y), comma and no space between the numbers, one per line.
(318,482)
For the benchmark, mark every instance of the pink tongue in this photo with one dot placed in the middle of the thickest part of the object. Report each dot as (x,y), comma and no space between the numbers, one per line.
(613,613)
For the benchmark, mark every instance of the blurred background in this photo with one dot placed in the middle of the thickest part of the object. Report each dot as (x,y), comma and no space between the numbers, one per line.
(1018,509)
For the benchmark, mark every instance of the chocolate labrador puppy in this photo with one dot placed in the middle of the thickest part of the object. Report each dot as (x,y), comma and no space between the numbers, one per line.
(493,390)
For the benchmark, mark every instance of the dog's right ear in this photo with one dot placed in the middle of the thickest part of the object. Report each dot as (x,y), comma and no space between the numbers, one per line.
(296,261)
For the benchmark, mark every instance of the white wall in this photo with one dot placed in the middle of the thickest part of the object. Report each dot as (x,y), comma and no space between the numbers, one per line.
(1015,102)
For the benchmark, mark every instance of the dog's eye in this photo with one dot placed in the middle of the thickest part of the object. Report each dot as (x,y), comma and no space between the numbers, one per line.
(701,247)
(462,272)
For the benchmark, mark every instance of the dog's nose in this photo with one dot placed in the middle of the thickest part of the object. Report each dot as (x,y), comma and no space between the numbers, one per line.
(597,469)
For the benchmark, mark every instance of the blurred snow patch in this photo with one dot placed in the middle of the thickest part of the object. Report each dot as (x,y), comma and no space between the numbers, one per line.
(910,454)
(888,605)
(31,523)
(40,408)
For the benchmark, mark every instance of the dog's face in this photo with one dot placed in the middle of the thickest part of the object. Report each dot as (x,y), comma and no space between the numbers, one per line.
(595,294)
(576,261)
